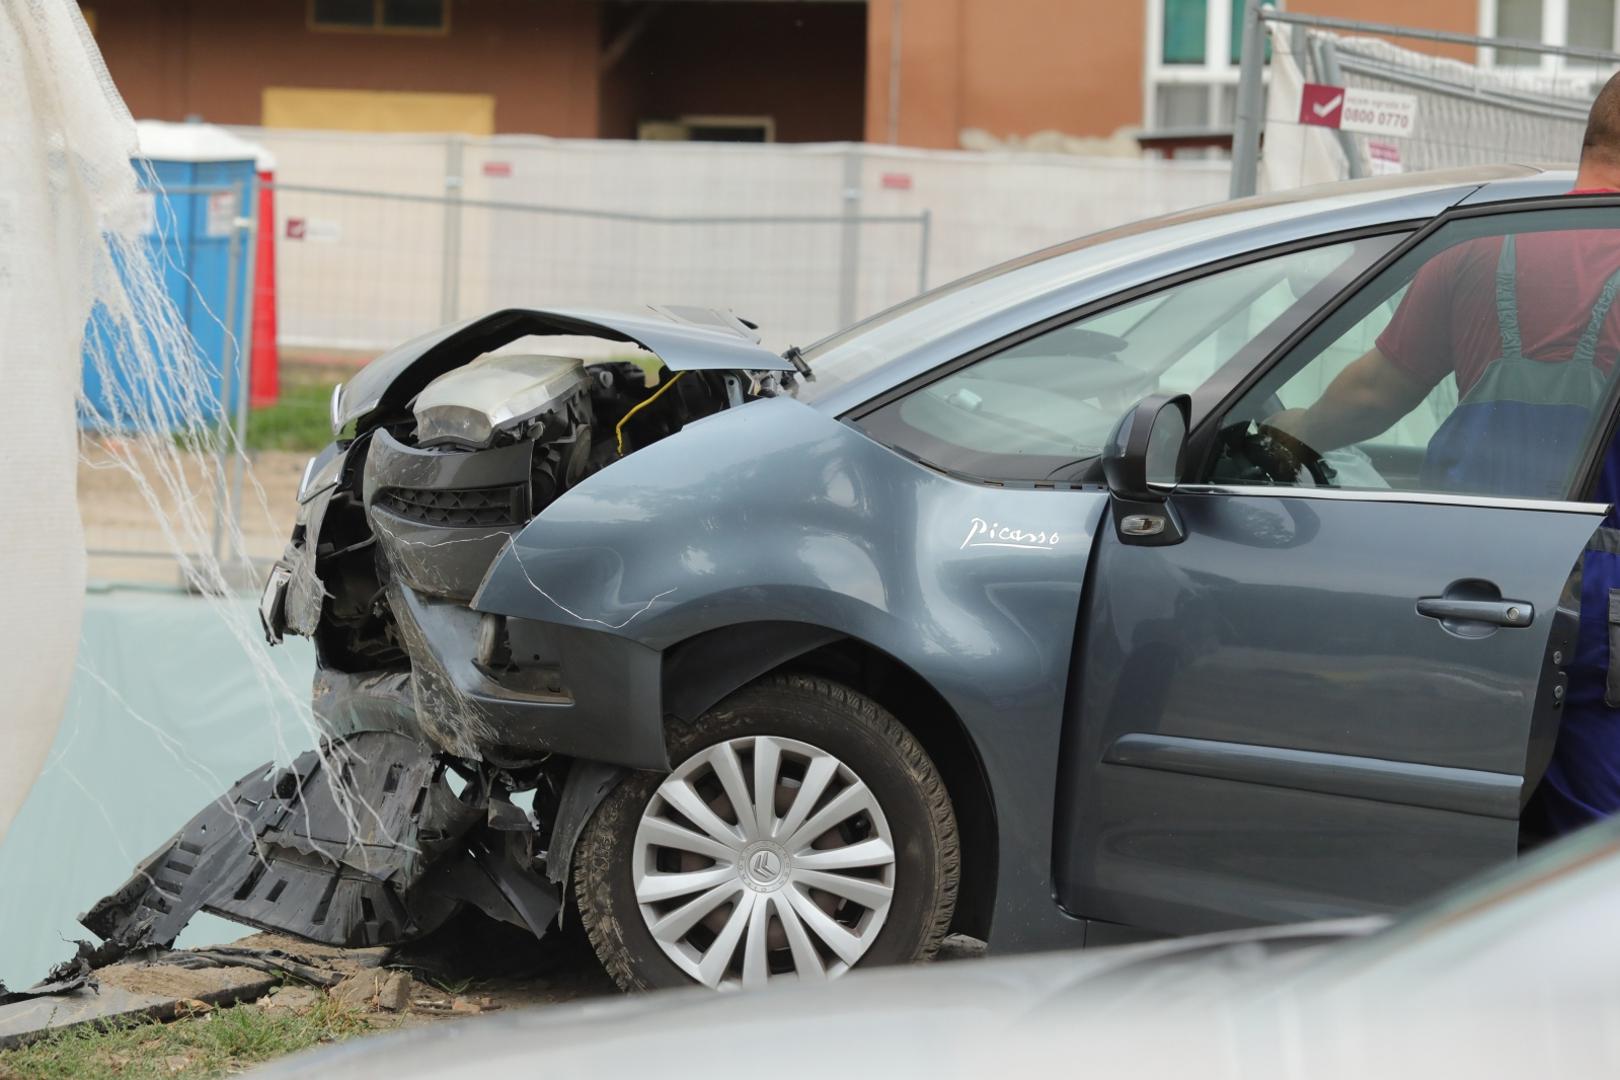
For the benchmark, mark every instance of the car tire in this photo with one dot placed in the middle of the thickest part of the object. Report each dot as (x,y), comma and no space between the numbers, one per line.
(864,777)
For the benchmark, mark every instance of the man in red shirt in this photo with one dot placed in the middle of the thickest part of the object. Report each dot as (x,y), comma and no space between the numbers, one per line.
(1524,322)
(1448,318)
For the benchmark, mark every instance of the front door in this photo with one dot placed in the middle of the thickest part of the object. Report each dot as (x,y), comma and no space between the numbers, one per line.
(1328,697)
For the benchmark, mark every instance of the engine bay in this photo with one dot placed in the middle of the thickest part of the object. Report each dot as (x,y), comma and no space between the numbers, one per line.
(485,447)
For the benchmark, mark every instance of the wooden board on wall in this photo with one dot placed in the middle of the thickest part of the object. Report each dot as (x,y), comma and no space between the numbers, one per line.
(378,110)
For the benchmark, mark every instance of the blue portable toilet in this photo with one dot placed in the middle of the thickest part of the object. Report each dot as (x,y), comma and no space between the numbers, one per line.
(206,183)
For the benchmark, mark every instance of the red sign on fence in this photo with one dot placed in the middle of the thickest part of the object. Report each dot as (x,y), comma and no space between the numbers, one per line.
(1321,105)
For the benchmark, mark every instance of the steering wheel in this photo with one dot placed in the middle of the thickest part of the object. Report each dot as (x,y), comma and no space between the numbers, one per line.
(1268,455)
(1282,457)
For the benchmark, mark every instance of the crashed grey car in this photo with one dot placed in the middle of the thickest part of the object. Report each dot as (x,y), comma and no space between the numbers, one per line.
(1002,612)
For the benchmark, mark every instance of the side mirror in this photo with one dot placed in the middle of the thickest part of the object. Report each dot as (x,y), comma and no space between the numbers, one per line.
(1143,457)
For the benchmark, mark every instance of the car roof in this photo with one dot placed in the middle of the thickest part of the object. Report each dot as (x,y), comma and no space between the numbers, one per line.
(1540,182)
(970,312)
(1507,181)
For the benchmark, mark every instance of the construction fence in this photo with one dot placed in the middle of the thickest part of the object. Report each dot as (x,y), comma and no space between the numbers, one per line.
(381,237)
(1323,99)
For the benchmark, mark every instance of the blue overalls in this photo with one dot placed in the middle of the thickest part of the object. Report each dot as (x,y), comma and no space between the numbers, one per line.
(1519,432)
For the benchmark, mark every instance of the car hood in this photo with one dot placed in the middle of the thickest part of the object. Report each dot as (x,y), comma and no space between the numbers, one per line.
(926,1021)
(684,338)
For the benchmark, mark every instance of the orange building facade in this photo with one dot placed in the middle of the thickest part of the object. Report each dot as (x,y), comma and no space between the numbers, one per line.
(1079,67)
(925,73)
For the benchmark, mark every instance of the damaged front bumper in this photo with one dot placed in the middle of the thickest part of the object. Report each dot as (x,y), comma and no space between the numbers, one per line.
(477,686)
(362,843)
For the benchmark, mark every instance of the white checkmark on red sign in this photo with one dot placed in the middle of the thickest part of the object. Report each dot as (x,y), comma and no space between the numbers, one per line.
(1321,105)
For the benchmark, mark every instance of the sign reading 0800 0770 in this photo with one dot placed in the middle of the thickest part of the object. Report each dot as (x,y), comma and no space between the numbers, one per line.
(1370,112)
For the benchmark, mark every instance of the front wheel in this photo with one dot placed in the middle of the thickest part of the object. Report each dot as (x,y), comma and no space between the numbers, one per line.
(802,831)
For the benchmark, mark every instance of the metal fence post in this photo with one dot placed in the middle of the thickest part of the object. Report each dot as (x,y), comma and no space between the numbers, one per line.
(849,264)
(1327,64)
(1251,100)
(450,282)
(227,379)
(927,222)
(247,223)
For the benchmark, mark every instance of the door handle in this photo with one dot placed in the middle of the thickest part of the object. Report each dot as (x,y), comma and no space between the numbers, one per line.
(1515,613)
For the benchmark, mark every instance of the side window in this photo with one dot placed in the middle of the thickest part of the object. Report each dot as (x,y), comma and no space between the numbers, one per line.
(1048,403)
(1478,363)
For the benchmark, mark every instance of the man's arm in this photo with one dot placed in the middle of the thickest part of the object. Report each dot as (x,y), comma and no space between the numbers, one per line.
(1366,399)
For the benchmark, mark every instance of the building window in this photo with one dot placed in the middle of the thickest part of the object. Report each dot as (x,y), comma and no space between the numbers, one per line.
(412,14)
(1194,49)
(1185,31)
(757,129)
(1587,24)
(406,16)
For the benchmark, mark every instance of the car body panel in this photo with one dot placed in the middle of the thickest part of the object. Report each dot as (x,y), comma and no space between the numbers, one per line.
(608,709)
(775,512)
(1267,724)
(685,339)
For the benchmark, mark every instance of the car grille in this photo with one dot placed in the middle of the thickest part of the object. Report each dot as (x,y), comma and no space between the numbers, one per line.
(456,508)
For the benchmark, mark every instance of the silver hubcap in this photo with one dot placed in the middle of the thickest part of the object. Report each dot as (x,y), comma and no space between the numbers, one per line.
(761,858)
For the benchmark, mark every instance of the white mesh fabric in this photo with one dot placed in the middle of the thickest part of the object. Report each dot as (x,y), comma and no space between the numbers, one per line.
(65,142)
(74,241)
(1295,155)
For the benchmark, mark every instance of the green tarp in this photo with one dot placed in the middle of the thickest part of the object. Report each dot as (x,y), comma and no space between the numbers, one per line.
(166,712)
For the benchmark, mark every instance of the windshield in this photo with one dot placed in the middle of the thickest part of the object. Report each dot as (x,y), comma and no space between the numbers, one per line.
(855,352)
(850,354)
(1049,402)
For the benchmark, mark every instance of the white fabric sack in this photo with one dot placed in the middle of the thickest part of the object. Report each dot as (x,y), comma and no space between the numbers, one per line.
(65,177)
(1294,154)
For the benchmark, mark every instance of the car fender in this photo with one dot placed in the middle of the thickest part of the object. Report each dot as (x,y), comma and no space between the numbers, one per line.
(778,513)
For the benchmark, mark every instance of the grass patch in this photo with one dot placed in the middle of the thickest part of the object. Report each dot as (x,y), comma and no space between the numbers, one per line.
(453,987)
(216,1044)
(299,420)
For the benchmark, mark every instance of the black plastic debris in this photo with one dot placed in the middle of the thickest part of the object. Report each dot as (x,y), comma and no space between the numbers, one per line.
(346,863)
(69,975)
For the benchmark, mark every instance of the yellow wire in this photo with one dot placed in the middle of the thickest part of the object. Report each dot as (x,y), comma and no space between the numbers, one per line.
(618,429)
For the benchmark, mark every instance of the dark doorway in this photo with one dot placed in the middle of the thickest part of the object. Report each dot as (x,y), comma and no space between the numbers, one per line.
(761,71)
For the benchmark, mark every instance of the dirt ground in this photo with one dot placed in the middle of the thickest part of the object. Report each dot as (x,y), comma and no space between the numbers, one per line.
(470,967)
(118,518)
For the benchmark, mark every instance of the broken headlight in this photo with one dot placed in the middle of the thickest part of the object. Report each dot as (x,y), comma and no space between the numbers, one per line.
(468,406)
